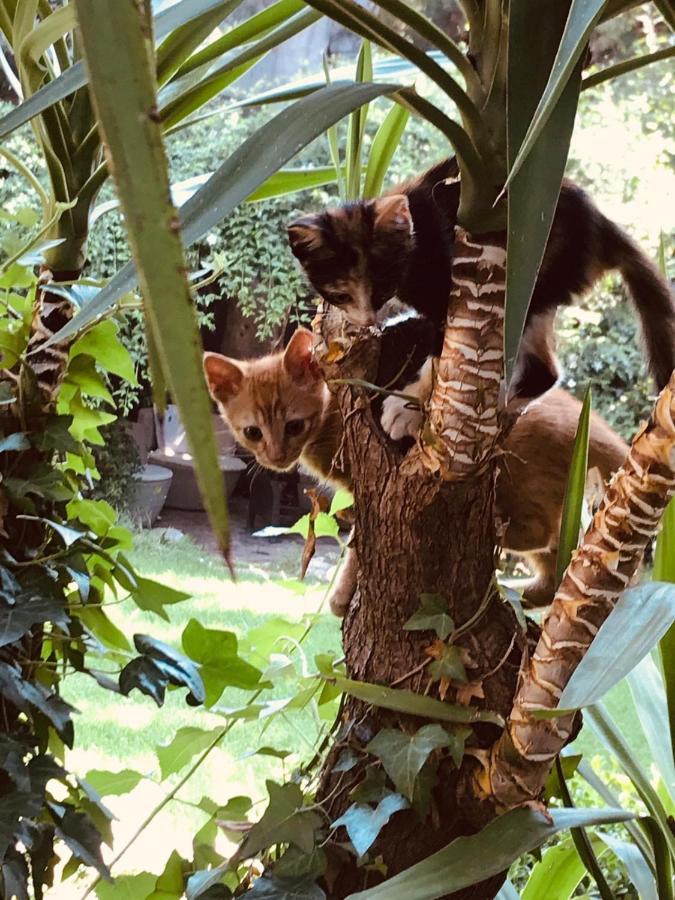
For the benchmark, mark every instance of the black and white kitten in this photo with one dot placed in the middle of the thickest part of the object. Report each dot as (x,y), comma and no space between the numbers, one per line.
(359,255)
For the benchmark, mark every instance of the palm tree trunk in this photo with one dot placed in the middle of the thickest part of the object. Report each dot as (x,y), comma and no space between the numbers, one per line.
(464,408)
(50,313)
(600,571)
(415,533)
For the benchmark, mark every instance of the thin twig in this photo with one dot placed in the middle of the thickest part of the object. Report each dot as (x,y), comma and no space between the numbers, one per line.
(412,672)
(360,382)
(485,602)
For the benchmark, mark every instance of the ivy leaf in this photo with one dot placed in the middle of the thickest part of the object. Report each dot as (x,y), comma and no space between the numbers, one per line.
(363,823)
(403,755)
(126,887)
(11,762)
(342,499)
(103,345)
(458,737)
(152,596)
(200,882)
(219,663)
(297,864)
(45,482)
(39,599)
(272,887)
(43,860)
(14,442)
(346,761)
(56,435)
(447,664)
(13,806)
(268,751)
(26,694)
(372,789)
(187,743)
(285,821)
(68,535)
(280,666)
(97,515)
(261,641)
(425,783)
(103,629)
(109,784)
(82,580)
(170,883)
(432,616)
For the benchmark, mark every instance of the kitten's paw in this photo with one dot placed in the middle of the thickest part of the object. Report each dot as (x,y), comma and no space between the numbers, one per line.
(339,601)
(400,419)
(345,584)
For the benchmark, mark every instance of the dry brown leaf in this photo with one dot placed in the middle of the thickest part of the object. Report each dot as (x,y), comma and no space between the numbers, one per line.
(435,650)
(336,351)
(467,692)
(308,549)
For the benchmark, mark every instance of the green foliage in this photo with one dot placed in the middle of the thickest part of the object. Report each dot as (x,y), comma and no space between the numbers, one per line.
(432,615)
(61,556)
(116,461)
(364,822)
(404,755)
(640,618)
(286,820)
(219,663)
(601,347)
(71,563)
(574,492)
(465,861)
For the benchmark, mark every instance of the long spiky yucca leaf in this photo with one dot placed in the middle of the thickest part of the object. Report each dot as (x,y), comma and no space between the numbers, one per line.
(426,29)
(122,81)
(357,19)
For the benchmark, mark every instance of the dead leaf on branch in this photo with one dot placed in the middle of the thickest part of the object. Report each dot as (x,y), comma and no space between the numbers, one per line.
(337,350)
(319,504)
(467,692)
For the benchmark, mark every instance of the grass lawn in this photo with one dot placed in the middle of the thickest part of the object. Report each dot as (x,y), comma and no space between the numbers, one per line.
(118,732)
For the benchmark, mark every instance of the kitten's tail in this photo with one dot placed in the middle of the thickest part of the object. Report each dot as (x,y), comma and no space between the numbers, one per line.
(652,296)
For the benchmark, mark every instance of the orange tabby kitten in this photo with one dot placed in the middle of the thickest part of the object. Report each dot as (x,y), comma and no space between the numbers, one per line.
(280,408)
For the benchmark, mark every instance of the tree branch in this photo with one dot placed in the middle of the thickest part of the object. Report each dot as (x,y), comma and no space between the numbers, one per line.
(463,422)
(518,764)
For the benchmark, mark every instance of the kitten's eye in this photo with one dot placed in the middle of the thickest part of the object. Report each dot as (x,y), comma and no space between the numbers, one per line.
(295,427)
(339,299)
(252,433)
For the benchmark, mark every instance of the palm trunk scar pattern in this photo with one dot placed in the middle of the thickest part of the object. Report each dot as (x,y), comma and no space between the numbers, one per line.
(600,570)
(463,422)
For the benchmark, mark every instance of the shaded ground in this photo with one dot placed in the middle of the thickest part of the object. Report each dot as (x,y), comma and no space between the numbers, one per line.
(273,554)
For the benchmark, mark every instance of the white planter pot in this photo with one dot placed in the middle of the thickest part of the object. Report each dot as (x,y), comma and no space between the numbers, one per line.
(150,493)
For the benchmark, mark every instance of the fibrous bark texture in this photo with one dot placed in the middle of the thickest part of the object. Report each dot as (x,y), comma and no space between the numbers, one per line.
(600,570)
(463,419)
(52,311)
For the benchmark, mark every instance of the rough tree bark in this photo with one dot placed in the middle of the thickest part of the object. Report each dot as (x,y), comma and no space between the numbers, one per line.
(424,524)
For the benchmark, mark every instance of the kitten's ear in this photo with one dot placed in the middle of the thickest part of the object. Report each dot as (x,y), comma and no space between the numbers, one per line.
(446,195)
(224,376)
(299,359)
(304,236)
(393,213)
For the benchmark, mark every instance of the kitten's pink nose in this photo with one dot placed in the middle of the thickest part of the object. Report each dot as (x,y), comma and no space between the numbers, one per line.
(276,459)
